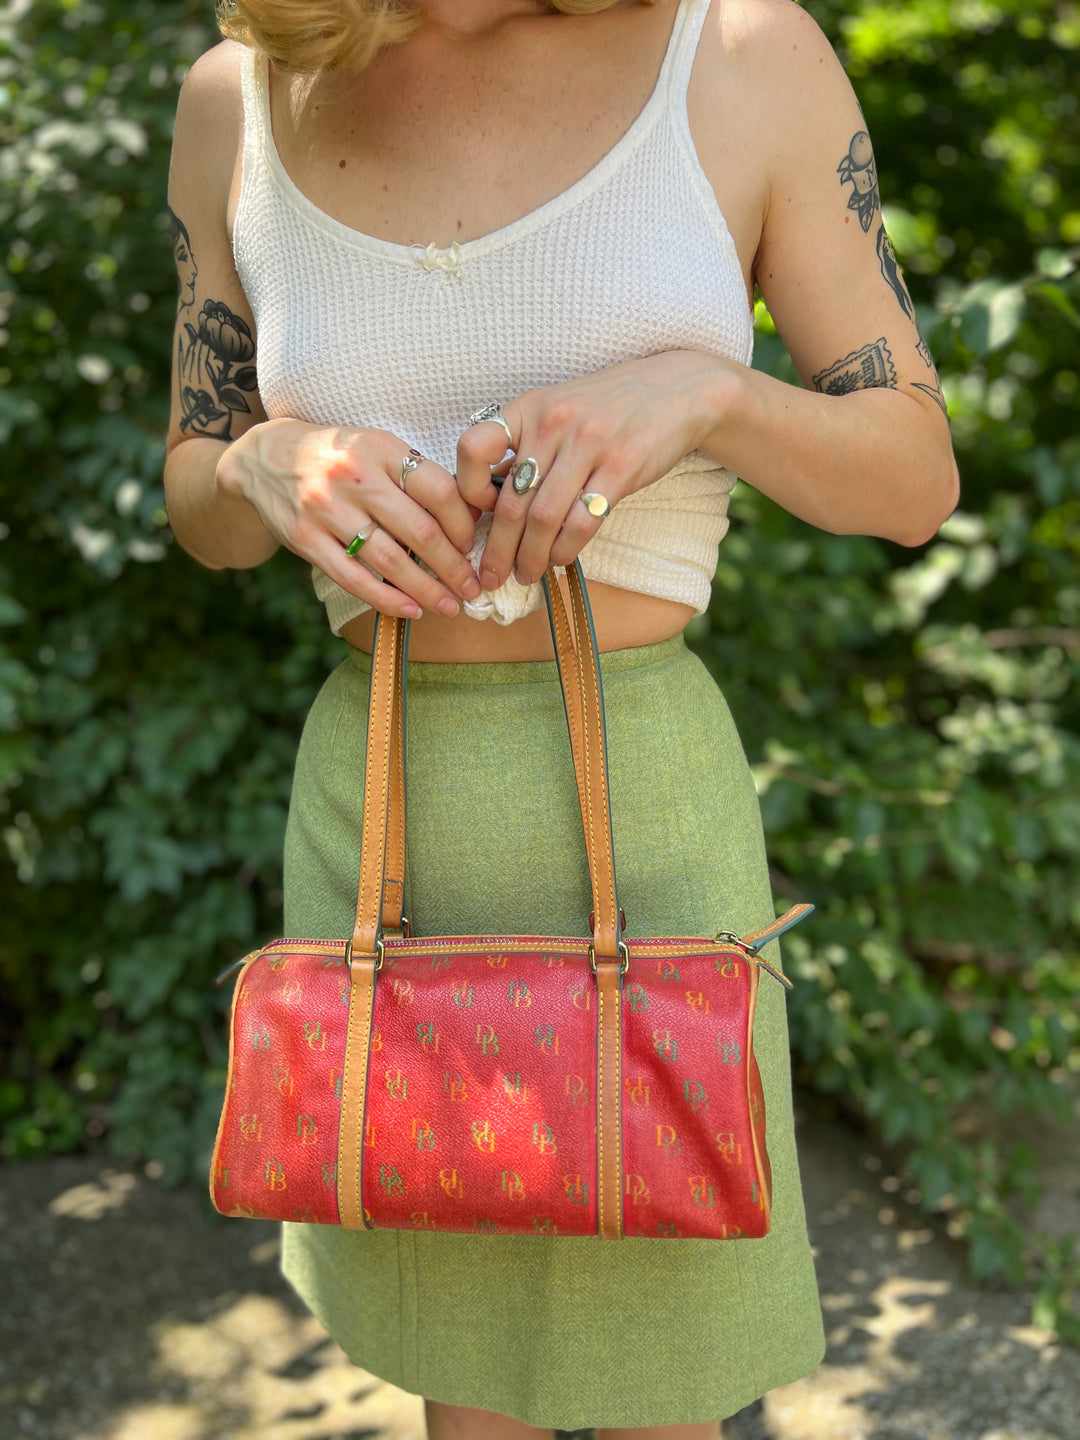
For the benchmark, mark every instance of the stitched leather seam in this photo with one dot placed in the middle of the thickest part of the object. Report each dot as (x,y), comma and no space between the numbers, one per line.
(369,799)
(234,1050)
(589,778)
(351,1129)
(754,1140)
(395,856)
(376,818)
(365,1044)
(570,946)
(564,645)
(598,808)
(618,1115)
(589,667)
(601,1179)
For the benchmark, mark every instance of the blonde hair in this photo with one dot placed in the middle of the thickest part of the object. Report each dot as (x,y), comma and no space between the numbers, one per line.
(339,34)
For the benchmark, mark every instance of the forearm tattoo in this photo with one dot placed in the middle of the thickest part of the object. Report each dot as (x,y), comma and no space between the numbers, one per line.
(214,351)
(870,368)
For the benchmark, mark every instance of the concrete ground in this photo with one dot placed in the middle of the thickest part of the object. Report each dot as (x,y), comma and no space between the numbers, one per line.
(128,1312)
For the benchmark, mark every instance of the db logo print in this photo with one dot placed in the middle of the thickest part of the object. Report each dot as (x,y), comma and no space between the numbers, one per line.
(449,1181)
(513,1185)
(423,1134)
(484,1135)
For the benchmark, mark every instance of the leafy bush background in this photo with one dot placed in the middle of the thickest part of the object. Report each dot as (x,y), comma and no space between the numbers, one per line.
(911,715)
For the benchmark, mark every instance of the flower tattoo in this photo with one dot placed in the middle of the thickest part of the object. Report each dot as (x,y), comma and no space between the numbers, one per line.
(215,357)
(214,354)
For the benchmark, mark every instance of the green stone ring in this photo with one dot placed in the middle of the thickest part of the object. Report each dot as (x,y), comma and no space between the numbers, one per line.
(357,543)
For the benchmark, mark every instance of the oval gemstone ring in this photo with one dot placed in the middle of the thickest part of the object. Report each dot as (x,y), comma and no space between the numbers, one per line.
(524,475)
(408,465)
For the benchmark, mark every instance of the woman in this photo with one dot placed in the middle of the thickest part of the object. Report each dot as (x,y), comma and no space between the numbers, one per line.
(395,225)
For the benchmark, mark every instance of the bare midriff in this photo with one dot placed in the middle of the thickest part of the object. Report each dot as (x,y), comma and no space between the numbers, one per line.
(622,620)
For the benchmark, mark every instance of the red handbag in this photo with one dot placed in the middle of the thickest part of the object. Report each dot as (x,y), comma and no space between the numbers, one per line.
(524,1084)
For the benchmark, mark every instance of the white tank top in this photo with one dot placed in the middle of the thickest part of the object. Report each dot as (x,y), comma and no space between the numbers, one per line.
(634,259)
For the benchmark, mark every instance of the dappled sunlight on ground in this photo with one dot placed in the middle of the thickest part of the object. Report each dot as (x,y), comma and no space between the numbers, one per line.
(133,1313)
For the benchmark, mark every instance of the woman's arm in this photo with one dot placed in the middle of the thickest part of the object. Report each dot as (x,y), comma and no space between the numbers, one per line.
(238,485)
(864,448)
(215,394)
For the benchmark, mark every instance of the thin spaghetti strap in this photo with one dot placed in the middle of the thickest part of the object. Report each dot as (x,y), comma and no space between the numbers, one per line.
(254,95)
(688,27)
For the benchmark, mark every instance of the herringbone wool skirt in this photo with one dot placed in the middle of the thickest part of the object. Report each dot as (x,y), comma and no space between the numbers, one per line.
(560,1332)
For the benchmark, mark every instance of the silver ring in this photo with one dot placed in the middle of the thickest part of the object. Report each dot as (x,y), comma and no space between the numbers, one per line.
(597,505)
(524,475)
(408,465)
(492,412)
(359,540)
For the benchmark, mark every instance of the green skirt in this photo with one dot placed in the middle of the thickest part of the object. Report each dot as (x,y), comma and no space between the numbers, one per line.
(566,1333)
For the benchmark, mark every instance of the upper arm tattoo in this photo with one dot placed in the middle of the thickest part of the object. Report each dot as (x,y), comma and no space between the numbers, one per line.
(870,368)
(891,271)
(859,170)
(872,365)
(213,354)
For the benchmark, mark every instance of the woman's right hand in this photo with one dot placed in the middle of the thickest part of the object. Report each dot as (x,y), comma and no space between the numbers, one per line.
(315,487)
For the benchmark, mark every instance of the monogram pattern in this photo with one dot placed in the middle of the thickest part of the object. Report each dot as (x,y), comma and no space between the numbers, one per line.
(480,1111)
(276,1152)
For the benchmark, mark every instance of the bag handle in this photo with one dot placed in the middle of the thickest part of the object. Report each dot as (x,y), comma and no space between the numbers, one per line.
(392,918)
(380,892)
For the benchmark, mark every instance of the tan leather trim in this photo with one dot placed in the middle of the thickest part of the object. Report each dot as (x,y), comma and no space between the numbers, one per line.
(778,924)
(350,1159)
(647,949)
(393,891)
(760,1162)
(609,1194)
(597,816)
(384,675)
(234,1050)
(383,855)
(571,670)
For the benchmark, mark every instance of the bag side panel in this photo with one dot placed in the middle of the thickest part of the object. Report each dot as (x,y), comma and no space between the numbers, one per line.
(691,1163)
(276,1156)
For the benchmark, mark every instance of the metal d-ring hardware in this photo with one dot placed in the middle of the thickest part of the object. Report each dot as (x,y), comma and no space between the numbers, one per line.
(733,940)
(624,961)
(380,945)
(751,952)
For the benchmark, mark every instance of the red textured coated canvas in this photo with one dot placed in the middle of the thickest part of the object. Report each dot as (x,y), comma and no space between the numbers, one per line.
(480,1109)
(276,1151)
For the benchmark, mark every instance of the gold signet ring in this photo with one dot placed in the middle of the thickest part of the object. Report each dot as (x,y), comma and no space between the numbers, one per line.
(524,475)
(597,505)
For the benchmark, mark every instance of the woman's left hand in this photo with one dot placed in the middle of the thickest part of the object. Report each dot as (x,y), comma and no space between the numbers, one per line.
(609,434)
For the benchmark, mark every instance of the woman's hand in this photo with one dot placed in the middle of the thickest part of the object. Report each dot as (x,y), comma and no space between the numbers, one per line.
(316,487)
(609,434)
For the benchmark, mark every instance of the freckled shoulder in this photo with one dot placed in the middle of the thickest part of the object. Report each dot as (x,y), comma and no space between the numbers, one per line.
(209,126)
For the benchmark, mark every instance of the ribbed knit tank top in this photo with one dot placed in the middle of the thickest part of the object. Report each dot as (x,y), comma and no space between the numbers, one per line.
(634,259)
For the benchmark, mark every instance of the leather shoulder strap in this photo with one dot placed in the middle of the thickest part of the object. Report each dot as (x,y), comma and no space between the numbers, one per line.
(381,889)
